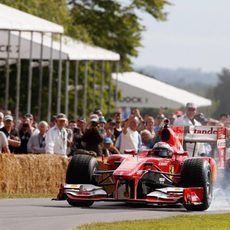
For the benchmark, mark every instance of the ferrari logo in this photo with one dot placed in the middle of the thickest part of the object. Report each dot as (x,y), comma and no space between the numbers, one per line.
(171,170)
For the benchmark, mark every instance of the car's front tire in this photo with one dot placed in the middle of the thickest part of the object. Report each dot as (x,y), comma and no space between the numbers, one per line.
(196,172)
(80,171)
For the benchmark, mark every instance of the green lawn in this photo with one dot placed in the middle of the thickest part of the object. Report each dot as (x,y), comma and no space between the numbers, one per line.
(188,222)
(25,195)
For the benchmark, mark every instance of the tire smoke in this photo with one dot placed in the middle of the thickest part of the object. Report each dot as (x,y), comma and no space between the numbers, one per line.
(221,192)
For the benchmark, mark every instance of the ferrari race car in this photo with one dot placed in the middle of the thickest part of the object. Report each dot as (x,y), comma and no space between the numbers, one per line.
(165,174)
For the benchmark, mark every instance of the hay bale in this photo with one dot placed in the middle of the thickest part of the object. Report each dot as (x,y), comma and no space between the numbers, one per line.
(40,174)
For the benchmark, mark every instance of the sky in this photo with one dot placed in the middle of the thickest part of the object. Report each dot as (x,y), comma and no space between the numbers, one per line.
(195,35)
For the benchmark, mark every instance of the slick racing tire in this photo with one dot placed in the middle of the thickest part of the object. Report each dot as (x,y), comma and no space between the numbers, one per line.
(82,203)
(80,170)
(196,172)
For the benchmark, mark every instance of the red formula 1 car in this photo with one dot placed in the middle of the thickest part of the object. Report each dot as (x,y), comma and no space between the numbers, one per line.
(156,176)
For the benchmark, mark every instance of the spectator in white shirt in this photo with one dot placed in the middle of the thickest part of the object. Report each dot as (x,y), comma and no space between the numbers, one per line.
(129,139)
(189,117)
(56,137)
(1,120)
(3,143)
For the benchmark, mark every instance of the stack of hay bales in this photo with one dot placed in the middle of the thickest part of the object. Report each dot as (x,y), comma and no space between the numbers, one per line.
(38,174)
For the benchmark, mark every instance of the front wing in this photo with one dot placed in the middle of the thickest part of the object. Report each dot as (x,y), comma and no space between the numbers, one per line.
(168,195)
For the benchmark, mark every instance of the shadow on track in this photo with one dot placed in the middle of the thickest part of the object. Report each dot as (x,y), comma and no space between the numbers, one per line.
(123,206)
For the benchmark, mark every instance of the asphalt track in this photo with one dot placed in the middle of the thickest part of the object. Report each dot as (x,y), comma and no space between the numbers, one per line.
(42,214)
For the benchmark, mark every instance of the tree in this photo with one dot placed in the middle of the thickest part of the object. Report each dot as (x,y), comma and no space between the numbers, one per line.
(113,25)
(53,10)
(221,92)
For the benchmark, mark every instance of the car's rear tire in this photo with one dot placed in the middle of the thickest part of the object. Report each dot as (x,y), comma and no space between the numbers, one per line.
(196,172)
(80,170)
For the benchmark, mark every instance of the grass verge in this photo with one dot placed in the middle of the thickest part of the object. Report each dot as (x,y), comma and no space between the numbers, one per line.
(26,195)
(188,222)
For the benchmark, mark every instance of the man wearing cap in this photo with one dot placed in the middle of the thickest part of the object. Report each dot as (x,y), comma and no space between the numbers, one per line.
(11,133)
(92,138)
(108,148)
(56,137)
(189,117)
(102,123)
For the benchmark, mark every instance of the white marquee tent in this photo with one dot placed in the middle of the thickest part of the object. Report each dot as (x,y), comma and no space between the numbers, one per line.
(13,19)
(78,50)
(16,21)
(144,92)
(71,49)
(39,46)
(24,36)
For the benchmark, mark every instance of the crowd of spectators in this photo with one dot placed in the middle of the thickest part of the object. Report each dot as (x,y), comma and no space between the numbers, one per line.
(94,133)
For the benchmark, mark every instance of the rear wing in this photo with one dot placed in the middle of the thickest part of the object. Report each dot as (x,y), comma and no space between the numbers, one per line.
(200,133)
(204,134)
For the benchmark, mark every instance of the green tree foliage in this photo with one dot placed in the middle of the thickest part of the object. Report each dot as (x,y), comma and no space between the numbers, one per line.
(221,92)
(115,25)
(53,10)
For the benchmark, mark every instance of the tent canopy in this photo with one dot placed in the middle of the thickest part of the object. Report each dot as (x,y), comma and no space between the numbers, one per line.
(78,50)
(13,19)
(71,49)
(141,91)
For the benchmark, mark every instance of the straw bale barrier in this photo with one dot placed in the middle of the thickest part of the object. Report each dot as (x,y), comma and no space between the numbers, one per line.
(40,174)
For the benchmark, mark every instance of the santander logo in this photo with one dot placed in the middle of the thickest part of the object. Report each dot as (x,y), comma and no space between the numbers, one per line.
(202,132)
(210,131)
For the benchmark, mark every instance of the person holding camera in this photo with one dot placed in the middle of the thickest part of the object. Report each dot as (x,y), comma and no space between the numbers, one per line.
(25,132)
(11,133)
(93,138)
(77,128)
(32,123)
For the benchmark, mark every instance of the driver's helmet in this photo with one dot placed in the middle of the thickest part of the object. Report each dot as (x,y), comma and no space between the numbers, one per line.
(162,149)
